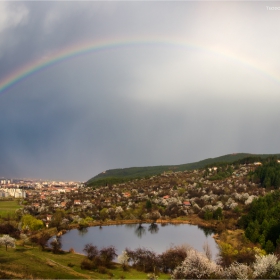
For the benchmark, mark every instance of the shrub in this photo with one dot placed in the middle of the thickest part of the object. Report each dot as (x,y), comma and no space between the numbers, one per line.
(71,250)
(87,264)
(102,269)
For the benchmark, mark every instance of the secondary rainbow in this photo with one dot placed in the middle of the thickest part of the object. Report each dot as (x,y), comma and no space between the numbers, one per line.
(88,47)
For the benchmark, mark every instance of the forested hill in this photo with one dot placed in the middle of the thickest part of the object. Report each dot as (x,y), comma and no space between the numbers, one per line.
(124,174)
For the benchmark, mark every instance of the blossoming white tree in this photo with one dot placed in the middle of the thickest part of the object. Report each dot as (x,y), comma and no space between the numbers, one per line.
(265,266)
(7,241)
(237,271)
(123,259)
(196,266)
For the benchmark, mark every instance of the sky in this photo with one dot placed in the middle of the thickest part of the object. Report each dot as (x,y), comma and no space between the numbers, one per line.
(87,86)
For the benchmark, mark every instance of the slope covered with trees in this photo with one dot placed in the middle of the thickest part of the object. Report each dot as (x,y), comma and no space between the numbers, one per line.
(121,175)
(262,223)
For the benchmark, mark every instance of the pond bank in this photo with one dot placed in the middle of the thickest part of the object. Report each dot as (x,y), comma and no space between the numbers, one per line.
(191,220)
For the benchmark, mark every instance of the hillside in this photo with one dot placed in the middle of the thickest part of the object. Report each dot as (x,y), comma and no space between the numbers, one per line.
(121,175)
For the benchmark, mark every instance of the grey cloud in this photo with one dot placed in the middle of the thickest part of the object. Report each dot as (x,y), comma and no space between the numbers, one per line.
(144,104)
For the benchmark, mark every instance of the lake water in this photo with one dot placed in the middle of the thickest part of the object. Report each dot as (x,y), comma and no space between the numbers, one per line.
(158,237)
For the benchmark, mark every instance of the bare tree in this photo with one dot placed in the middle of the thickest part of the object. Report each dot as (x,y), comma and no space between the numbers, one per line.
(207,250)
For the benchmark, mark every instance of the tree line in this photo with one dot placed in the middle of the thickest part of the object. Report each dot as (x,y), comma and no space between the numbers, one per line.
(262,223)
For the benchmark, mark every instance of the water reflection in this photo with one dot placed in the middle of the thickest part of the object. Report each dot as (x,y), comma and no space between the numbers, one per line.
(140,230)
(130,225)
(153,228)
(207,231)
(82,231)
(155,236)
(164,224)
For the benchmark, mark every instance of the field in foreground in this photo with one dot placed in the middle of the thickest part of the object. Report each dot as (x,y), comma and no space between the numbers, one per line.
(8,207)
(28,262)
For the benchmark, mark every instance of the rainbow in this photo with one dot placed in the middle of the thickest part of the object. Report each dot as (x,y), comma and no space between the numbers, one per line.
(102,45)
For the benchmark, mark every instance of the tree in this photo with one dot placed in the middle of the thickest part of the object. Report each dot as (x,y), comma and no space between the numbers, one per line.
(123,259)
(91,251)
(31,223)
(172,257)
(57,218)
(43,239)
(56,245)
(207,251)
(149,205)
(7,241)
(196,265)
(107,255)
(265,266)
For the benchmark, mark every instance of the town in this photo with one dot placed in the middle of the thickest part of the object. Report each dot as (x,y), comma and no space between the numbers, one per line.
(167,196)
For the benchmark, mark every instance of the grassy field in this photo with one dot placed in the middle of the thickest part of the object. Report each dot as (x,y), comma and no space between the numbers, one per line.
(8,207)
(31,263)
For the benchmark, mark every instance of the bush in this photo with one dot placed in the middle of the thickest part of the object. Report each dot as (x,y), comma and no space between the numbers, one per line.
(87,264)
(173,257)
(102,269)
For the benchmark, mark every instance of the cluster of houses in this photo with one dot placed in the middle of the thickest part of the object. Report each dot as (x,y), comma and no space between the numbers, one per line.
(171,194)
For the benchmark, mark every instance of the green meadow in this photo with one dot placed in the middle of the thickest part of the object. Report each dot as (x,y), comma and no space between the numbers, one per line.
(31,263)
(8,207)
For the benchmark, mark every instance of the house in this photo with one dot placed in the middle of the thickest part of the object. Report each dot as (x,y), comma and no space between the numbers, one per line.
(77,202)
(127,194)
(49,217)
(166,197)
(187,203)
(63,204)
(257,163)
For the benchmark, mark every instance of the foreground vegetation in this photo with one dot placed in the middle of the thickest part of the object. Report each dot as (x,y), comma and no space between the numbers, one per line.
(31,262)
(8,208)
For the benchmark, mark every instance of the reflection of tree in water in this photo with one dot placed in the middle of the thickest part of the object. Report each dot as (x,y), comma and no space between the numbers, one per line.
(207,231)
(82,231)
(165,224)
(153,228)
(130,225)
(140,230)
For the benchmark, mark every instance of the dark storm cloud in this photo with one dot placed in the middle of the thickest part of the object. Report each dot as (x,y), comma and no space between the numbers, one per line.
(136,105)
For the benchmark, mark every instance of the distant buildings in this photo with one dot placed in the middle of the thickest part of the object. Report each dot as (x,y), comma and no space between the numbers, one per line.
(11,192)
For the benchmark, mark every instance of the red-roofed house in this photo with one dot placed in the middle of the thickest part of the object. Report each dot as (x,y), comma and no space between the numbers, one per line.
(187,203)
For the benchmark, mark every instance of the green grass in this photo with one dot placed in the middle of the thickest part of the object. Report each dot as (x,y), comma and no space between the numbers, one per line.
(30,263)
(8,207)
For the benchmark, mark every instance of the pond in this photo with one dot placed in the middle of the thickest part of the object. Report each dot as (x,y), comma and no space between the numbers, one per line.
(156,237)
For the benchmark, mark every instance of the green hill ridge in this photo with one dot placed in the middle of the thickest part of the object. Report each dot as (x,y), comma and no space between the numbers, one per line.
(120,175)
